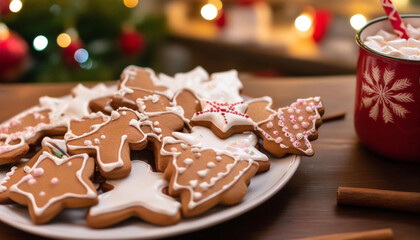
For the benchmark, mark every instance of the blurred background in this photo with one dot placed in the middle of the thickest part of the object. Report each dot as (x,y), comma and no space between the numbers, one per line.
(93,40)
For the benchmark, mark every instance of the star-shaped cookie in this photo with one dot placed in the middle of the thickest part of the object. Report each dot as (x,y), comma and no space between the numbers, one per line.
(53,183)
(223,118)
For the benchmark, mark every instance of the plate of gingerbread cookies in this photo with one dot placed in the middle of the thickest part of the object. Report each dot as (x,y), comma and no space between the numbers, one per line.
(152,156)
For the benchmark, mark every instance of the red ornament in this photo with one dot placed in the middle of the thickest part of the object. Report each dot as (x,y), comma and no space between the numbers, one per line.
(13,57)
(321,22)
(68,52)
(4,7)
(132,43)
(221,19)
(247,3)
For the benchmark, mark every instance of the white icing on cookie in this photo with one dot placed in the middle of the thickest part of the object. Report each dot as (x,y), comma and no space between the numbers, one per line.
(223,86)
(142,188)
(107,167)
(223,115)
(7,178)
(61,110)
(269,102)
(197,197)
(39,210)
(6,147)
(300,124)
(241,144)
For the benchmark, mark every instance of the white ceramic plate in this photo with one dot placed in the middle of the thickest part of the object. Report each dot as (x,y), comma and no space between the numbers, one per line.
(71,224)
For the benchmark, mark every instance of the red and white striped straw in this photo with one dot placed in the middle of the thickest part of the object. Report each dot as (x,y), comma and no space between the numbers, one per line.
(394,18)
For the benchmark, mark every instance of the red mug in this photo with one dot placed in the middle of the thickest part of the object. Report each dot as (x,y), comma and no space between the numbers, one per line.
(387,108)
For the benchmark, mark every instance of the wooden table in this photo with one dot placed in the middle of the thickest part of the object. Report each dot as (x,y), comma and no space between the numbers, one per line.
(307,205)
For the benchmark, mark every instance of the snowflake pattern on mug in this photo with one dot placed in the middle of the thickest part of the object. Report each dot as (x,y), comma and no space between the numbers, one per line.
(385,94)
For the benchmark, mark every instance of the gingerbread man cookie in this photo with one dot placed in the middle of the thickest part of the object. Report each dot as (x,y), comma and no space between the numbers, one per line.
(78,127)
(203,177)
(111,142)
(140,194)
(51,184)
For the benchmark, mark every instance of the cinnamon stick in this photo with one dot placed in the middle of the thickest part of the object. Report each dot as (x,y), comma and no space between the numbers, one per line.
(334,116)
(381,234)
(403,201)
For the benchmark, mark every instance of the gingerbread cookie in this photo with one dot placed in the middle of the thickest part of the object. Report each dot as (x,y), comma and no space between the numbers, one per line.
(31,125)
(140,194)
(203,177)
(51,184)
(52,115)
(111,142)
(242,145)
(142,101)
(78,127)
(224,119)
(259,109)
(164,124)
(102,104)
(188,101)
(134,77)
(12,150)
(13,176)
(290,129)
(57,146)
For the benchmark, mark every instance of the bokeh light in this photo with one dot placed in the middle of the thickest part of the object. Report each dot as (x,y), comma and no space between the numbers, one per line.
(63,40)
(131,3)
(303,23)
(55,9)
(81,55)
(217,3)
(4,32)
(40,43)
(15,6)
(209,11)
(357,21)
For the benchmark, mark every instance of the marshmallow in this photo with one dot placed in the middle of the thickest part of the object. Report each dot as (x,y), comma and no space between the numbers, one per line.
(413,32)
(386,35)
(410,51)
(398,43)
(389,44)
(413,43)
(374,45)
(377,39)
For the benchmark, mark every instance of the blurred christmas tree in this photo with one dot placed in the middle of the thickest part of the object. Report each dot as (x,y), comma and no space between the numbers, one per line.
(76,40)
